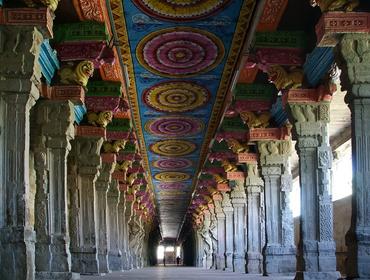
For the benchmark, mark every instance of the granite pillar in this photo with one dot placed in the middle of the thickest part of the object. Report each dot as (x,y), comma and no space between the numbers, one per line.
(86,152)
(200,247)
(229,241)
(122,229)
(206,235)
(101,188)
(238,200)
(213,233)
(220,216)
(114,253)
(355,64)
(255,219)
(128,215)
(279,251)
(316,250)
(52,130)
(19,80)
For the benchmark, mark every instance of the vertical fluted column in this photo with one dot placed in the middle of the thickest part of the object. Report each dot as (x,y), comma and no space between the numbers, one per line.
(354,63)
(228,210)
(88,163)
(128,215)
(122,229)
(316,251)
(255,219)
(52,131)
(20,76)
(101,188)
(279,252)
(220,215)
(238,200)
(114,253)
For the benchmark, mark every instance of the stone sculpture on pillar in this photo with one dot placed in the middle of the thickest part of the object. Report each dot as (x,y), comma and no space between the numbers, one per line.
(213,232)
(206,235)
(228,210)
(255,219)
(86,153)
(53,130)
(114,254)
(122,228)
(102,185)
(238,200)
(220,216)
(354,62)
(279,252)
(316,251)
(20,76)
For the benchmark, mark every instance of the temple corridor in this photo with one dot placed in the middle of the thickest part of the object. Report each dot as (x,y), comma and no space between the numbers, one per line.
(179,273)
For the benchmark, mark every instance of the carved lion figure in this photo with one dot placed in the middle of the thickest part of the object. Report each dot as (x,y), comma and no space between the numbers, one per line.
(115,146)
(131,178)
(124,166)
(51,4)
(228,166)
(236,147)
(283,79)
(335,5)
(101,119)
(256,121)
(79,75)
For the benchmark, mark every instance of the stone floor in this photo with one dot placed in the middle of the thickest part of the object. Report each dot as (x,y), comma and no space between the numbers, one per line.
(179,273)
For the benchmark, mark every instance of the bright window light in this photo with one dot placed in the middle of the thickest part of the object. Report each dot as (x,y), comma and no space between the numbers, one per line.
(170,249)
(160,252)
(178,251)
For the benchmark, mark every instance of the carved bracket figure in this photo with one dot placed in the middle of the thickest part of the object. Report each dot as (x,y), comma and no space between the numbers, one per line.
(335,5)
(79,75)
(101,119)
(256,121)
(51,4)
(114,146)
(236,146)
(283,79)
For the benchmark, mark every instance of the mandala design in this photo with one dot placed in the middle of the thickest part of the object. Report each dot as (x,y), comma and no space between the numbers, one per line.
(172,186)
(176,97)
(174,126)
(180,52)
(181,10)
(172,176)
(172,163)
(173,148)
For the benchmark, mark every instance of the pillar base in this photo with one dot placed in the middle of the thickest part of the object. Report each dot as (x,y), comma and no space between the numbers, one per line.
(103,263)
(279,260)
(220,263)
(254,263)
(115,261)
(125,261)
(57,276)
(87,263)
(17,252)
(238,263)
(303,275)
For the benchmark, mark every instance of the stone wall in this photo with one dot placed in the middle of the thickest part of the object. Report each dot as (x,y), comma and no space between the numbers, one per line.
(342,222)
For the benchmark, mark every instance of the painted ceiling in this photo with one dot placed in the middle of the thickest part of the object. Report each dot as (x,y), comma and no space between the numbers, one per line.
(180,57)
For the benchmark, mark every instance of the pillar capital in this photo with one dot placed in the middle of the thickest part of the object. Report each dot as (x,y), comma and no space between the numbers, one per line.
(274,152)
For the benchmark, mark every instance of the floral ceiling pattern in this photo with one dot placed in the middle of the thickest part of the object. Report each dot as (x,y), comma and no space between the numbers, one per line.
(180,57)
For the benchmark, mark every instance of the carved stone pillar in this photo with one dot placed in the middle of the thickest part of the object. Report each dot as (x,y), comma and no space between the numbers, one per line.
(238,200)
(135,234)
(53,129)
(128,215)
(122,229)
(114,253)
(220,215)
(206,235)
(86,152)
(279,252)
(213,232)
(356,80)
(200,250)
(101,188)
(255,219)
(228,210)
(316,251)
(19,77)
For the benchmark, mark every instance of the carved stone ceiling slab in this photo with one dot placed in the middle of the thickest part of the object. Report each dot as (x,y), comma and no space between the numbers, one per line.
(180,58)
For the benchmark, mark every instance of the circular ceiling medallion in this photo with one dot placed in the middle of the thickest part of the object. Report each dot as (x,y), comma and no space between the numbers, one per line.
(174,126)
(180,10)
(180,52)
(172,176)
(172,186)
(176,97)
(172,163)
(173,148)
